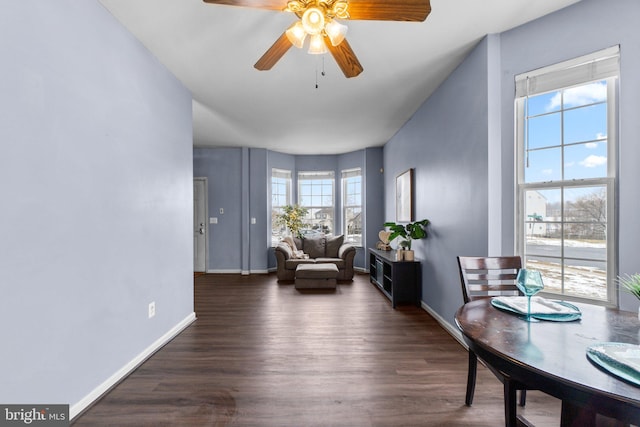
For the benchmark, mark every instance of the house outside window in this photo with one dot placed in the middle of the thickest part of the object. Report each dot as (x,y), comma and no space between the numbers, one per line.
(566,141)
(280,196)
(316,193)
(352,206)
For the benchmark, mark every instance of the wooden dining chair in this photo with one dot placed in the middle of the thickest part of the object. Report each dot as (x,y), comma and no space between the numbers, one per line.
(486,277)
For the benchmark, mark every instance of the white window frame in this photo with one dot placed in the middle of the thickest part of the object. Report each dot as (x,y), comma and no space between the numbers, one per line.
(348,202)
(305,176)
(277,208)
(599,66)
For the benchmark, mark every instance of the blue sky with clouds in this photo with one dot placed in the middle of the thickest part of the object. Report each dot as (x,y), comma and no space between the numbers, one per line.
(575,117)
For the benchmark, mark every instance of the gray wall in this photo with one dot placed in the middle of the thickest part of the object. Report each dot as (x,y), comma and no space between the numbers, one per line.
(96,185)
(374,195)
(223,169)
(460,141)
(446,143)
(259,188)
(237,183)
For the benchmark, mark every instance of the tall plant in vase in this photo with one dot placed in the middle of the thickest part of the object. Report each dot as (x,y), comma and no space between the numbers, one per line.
(292,217)
(408,232)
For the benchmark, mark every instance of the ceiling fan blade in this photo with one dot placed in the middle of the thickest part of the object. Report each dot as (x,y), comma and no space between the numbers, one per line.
(257,4)
(346,59)
(389,10)
(274,53)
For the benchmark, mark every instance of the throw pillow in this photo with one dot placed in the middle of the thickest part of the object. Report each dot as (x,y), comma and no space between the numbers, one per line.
(333,245)
(314,247)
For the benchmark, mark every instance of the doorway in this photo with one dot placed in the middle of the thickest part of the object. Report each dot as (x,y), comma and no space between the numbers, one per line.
(200,228)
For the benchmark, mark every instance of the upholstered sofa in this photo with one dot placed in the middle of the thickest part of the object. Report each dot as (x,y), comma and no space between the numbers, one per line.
(319,250)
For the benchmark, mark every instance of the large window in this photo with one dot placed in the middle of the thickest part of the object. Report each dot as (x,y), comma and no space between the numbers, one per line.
(280,196)
(566,138)
(315,192)
(352,206)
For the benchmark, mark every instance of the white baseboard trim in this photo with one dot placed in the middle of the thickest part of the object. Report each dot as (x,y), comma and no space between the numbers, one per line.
(79,407)
(241,272)
(452,330)
(224,271)
(266,271)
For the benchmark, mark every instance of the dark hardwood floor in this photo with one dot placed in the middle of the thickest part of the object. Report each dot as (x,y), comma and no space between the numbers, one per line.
(265,354)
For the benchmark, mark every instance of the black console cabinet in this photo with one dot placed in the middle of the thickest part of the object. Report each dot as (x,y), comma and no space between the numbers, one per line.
(397,280)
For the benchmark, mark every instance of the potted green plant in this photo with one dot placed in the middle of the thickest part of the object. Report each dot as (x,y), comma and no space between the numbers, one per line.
(631,284)
(408,232)
(292,217)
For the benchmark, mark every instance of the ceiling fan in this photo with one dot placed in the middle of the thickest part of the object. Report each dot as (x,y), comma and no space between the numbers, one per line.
(318,20)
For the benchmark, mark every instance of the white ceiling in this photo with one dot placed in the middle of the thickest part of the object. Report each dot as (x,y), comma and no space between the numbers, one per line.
(212,49)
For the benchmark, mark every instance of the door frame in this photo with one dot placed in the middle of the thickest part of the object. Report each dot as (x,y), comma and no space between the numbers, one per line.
(206,221)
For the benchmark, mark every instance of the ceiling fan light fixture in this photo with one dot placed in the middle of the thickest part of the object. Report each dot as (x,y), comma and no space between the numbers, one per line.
(313,20)
(336,32)
(296,34)
(316,45)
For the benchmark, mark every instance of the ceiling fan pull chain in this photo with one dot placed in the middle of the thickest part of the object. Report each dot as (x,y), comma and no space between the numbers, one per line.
(322,73)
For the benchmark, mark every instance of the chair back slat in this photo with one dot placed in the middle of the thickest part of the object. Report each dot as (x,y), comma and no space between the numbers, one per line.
(485,277)
(473,276)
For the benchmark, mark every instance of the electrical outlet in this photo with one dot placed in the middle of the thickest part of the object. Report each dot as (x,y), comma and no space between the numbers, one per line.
(152,309)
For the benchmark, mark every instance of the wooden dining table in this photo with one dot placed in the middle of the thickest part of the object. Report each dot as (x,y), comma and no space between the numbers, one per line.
(551,357)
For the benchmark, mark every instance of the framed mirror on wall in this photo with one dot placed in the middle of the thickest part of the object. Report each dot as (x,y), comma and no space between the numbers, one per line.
(404,196)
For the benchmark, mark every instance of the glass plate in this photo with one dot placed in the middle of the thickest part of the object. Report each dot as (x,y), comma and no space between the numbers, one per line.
(619,359)
(570,317)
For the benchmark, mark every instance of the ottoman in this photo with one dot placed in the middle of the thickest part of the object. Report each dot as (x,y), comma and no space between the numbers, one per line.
(315,276)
